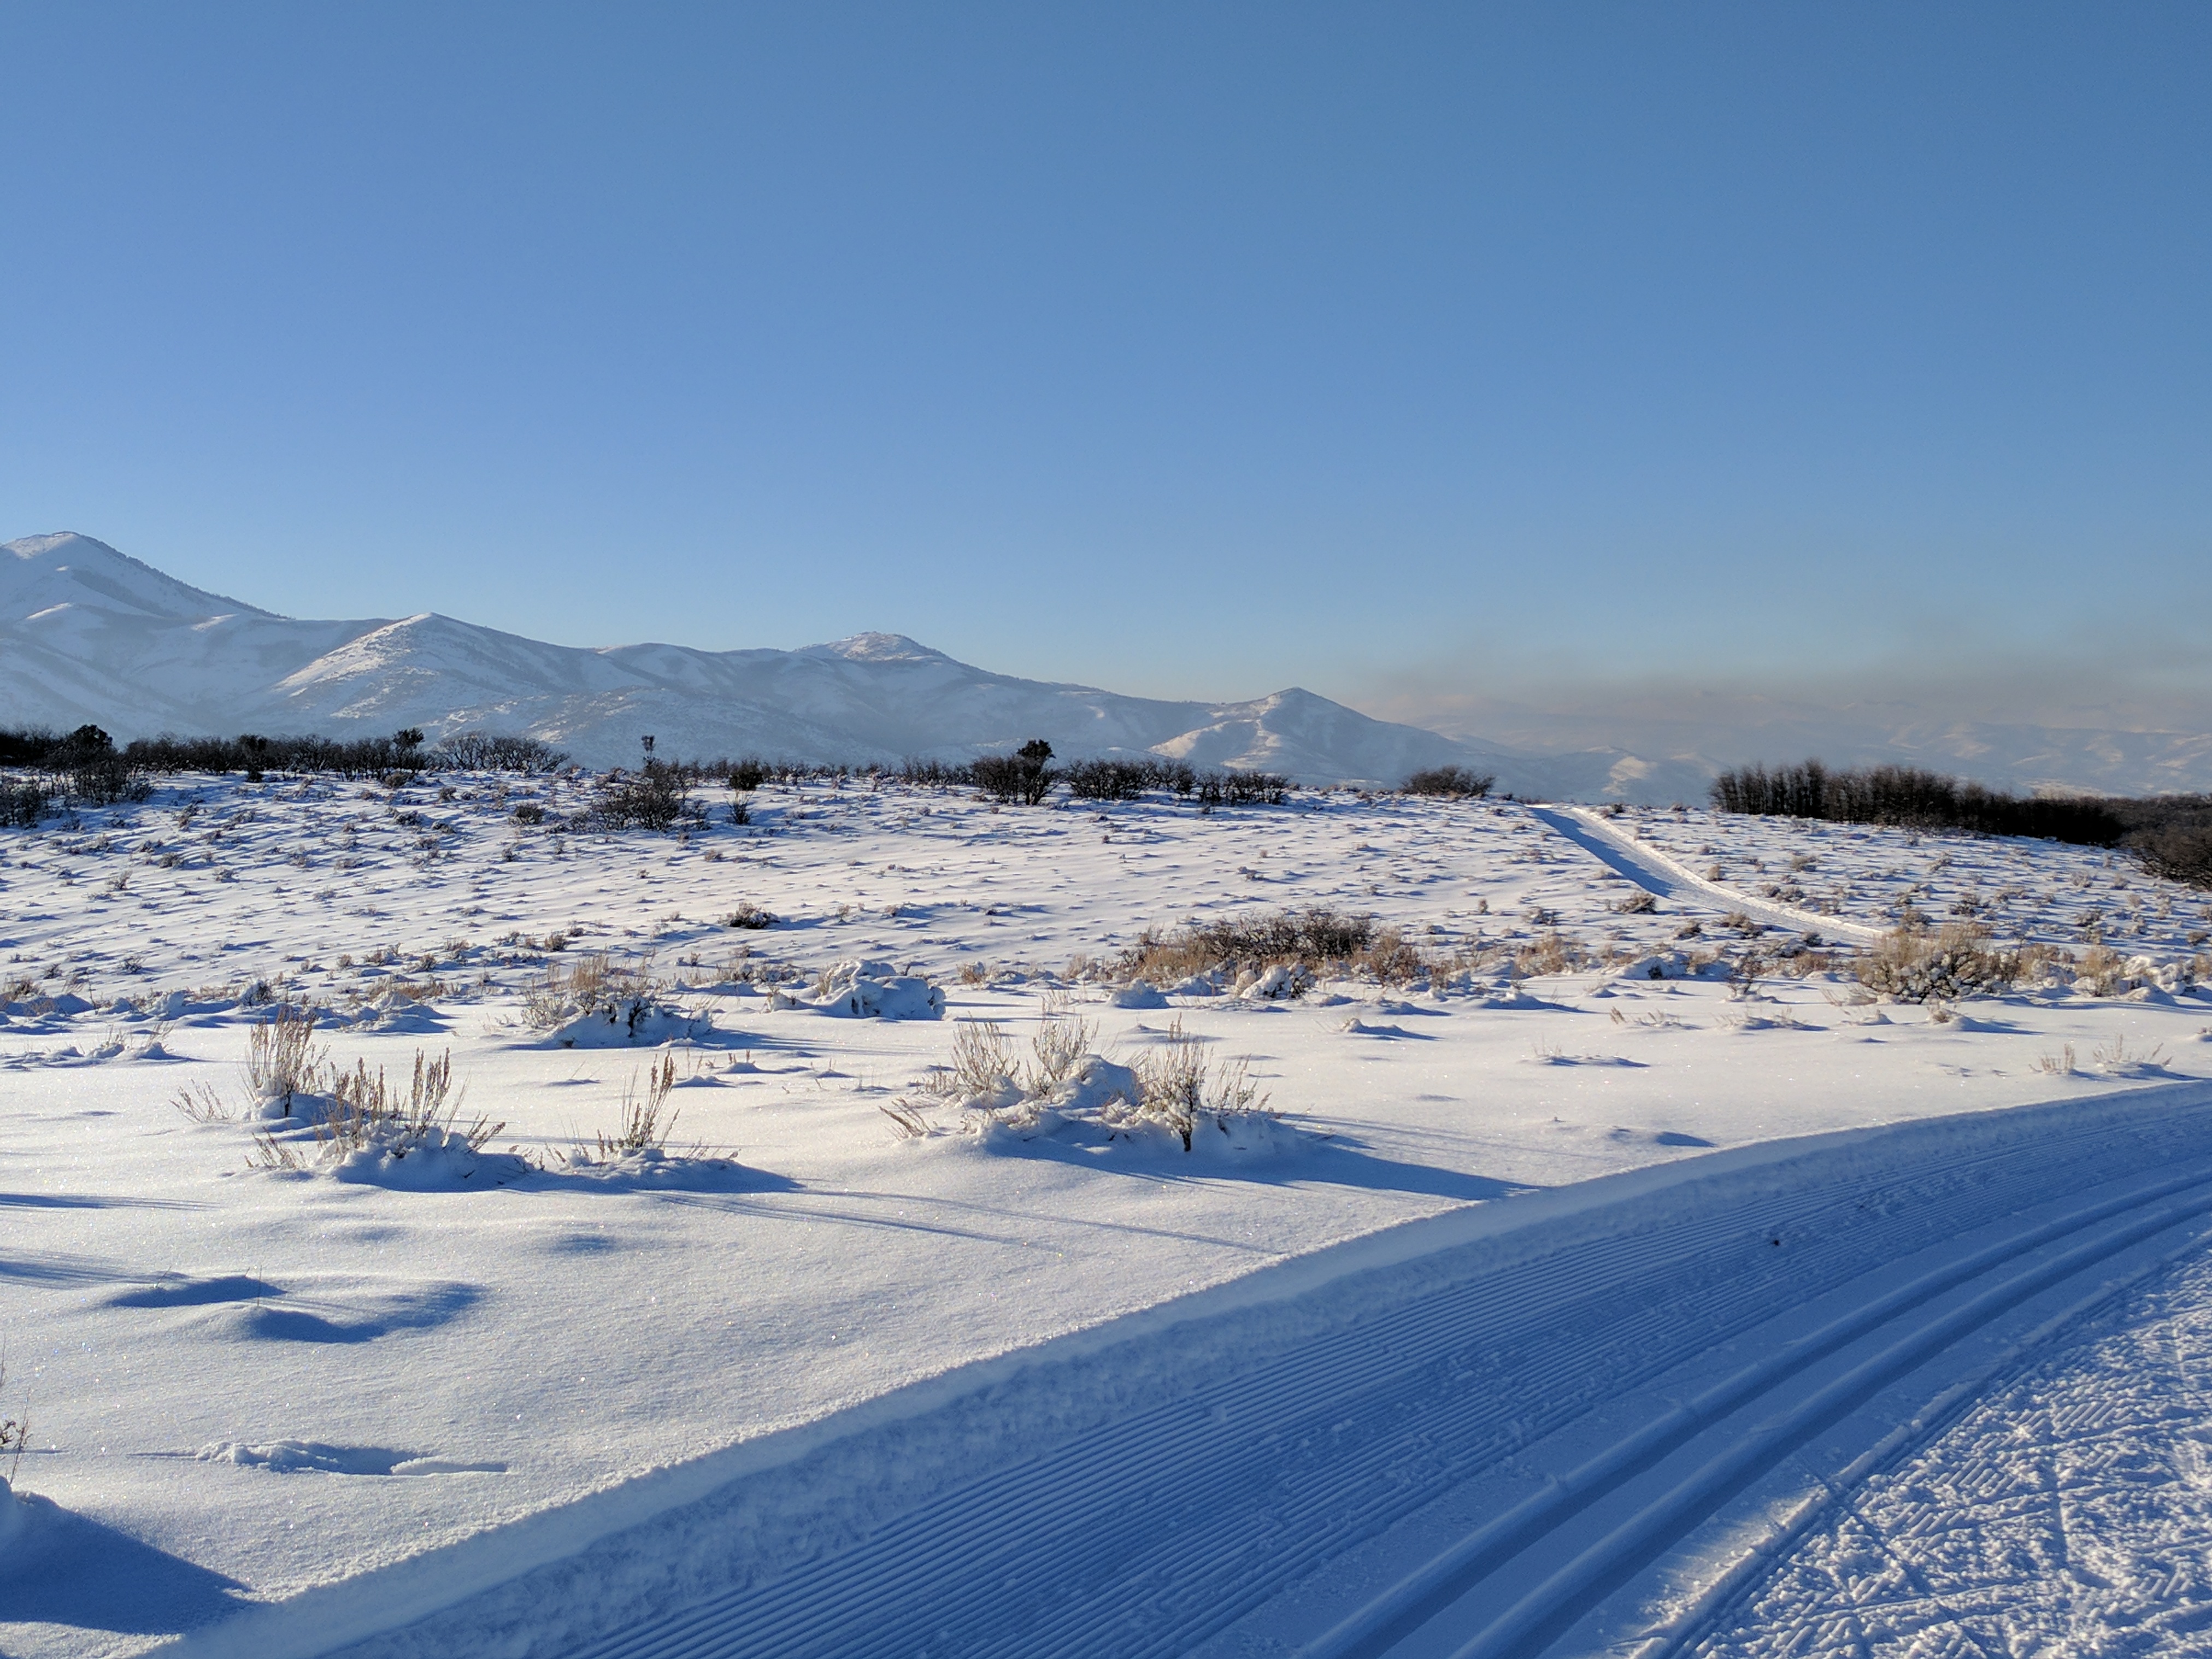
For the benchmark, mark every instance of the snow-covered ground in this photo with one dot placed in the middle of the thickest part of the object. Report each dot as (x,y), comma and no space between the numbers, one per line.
(378,1395)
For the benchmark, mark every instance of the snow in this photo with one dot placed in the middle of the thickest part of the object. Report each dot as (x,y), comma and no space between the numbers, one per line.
(233,1366)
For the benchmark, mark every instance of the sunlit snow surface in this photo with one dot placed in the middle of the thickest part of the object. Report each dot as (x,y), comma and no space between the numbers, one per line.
(245,1383)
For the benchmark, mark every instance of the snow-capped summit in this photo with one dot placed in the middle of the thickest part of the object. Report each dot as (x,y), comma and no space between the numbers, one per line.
(875,648)
(43,573)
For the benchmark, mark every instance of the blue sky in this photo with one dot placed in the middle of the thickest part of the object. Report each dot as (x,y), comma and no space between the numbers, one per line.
(1415,353)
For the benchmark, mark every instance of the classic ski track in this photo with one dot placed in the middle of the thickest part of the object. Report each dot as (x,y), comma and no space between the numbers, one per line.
(1151,1534)
(1527,1626)
(1664,875)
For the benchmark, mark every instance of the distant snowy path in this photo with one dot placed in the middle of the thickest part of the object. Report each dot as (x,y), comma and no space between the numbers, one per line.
(1464,1450)
(1656,873)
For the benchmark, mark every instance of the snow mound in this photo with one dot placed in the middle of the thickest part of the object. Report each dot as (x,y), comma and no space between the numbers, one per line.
(433,1160)
(875,990)
(1138,994)
(655,1168)
(634,1022)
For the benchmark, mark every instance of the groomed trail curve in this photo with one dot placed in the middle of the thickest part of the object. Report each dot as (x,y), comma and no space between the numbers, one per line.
(1669,878)
(1459,1438)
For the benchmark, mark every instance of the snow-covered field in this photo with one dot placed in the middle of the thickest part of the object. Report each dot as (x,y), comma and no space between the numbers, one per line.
(364,1389)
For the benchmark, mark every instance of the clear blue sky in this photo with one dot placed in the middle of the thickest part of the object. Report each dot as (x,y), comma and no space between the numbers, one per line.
(1189,349)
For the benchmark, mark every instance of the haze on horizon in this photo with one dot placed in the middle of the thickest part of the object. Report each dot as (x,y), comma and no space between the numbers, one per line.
(1576,374)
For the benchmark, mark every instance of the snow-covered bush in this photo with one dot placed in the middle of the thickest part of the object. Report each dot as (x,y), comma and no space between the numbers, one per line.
(875,990)
(593,1003)
(1911,964)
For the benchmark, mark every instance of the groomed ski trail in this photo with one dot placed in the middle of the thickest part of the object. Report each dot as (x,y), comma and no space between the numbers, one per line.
(1667,877)
(1162,1528)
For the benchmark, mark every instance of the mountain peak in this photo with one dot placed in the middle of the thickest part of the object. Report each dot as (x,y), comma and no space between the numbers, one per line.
(875,648)
(65,568)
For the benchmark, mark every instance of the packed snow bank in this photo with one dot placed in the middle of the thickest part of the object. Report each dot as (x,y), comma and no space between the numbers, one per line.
(14,1526)
(649,1169)
(314,1457)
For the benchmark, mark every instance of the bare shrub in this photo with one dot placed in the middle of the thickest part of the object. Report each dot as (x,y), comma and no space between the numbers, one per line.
(1180,1090)
(652,798)
(1457,781)
(1551,953)
(1061,1041)
(559,994)
(14,1435)
(23,803)
(1913,965)
(1637,903)
(1240,788)
(496,752)
(1023,777)
(2114,1058)
(1314,939)
(932,774)
(1126,778)
(749,915)
(2102,970)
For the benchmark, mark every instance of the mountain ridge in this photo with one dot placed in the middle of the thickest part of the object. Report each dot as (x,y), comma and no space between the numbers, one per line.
(92,634)
(89,633)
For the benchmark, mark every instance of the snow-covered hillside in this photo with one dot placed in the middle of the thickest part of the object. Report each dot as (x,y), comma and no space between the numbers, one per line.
(1519,1203)
(90,634)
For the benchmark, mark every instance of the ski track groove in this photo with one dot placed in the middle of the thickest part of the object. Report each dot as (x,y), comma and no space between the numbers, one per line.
(1370,1424)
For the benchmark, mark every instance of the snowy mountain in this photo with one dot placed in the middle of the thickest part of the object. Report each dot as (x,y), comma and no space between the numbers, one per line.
(90,633)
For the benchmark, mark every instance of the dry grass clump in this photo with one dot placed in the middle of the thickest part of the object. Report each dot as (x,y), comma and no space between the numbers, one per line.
(643,1129)
(1551,953)
(983,1063)
(1911,964)
(204,1103)
(1175,1087)
(365,1111)
(1317,940)
(281,1058)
